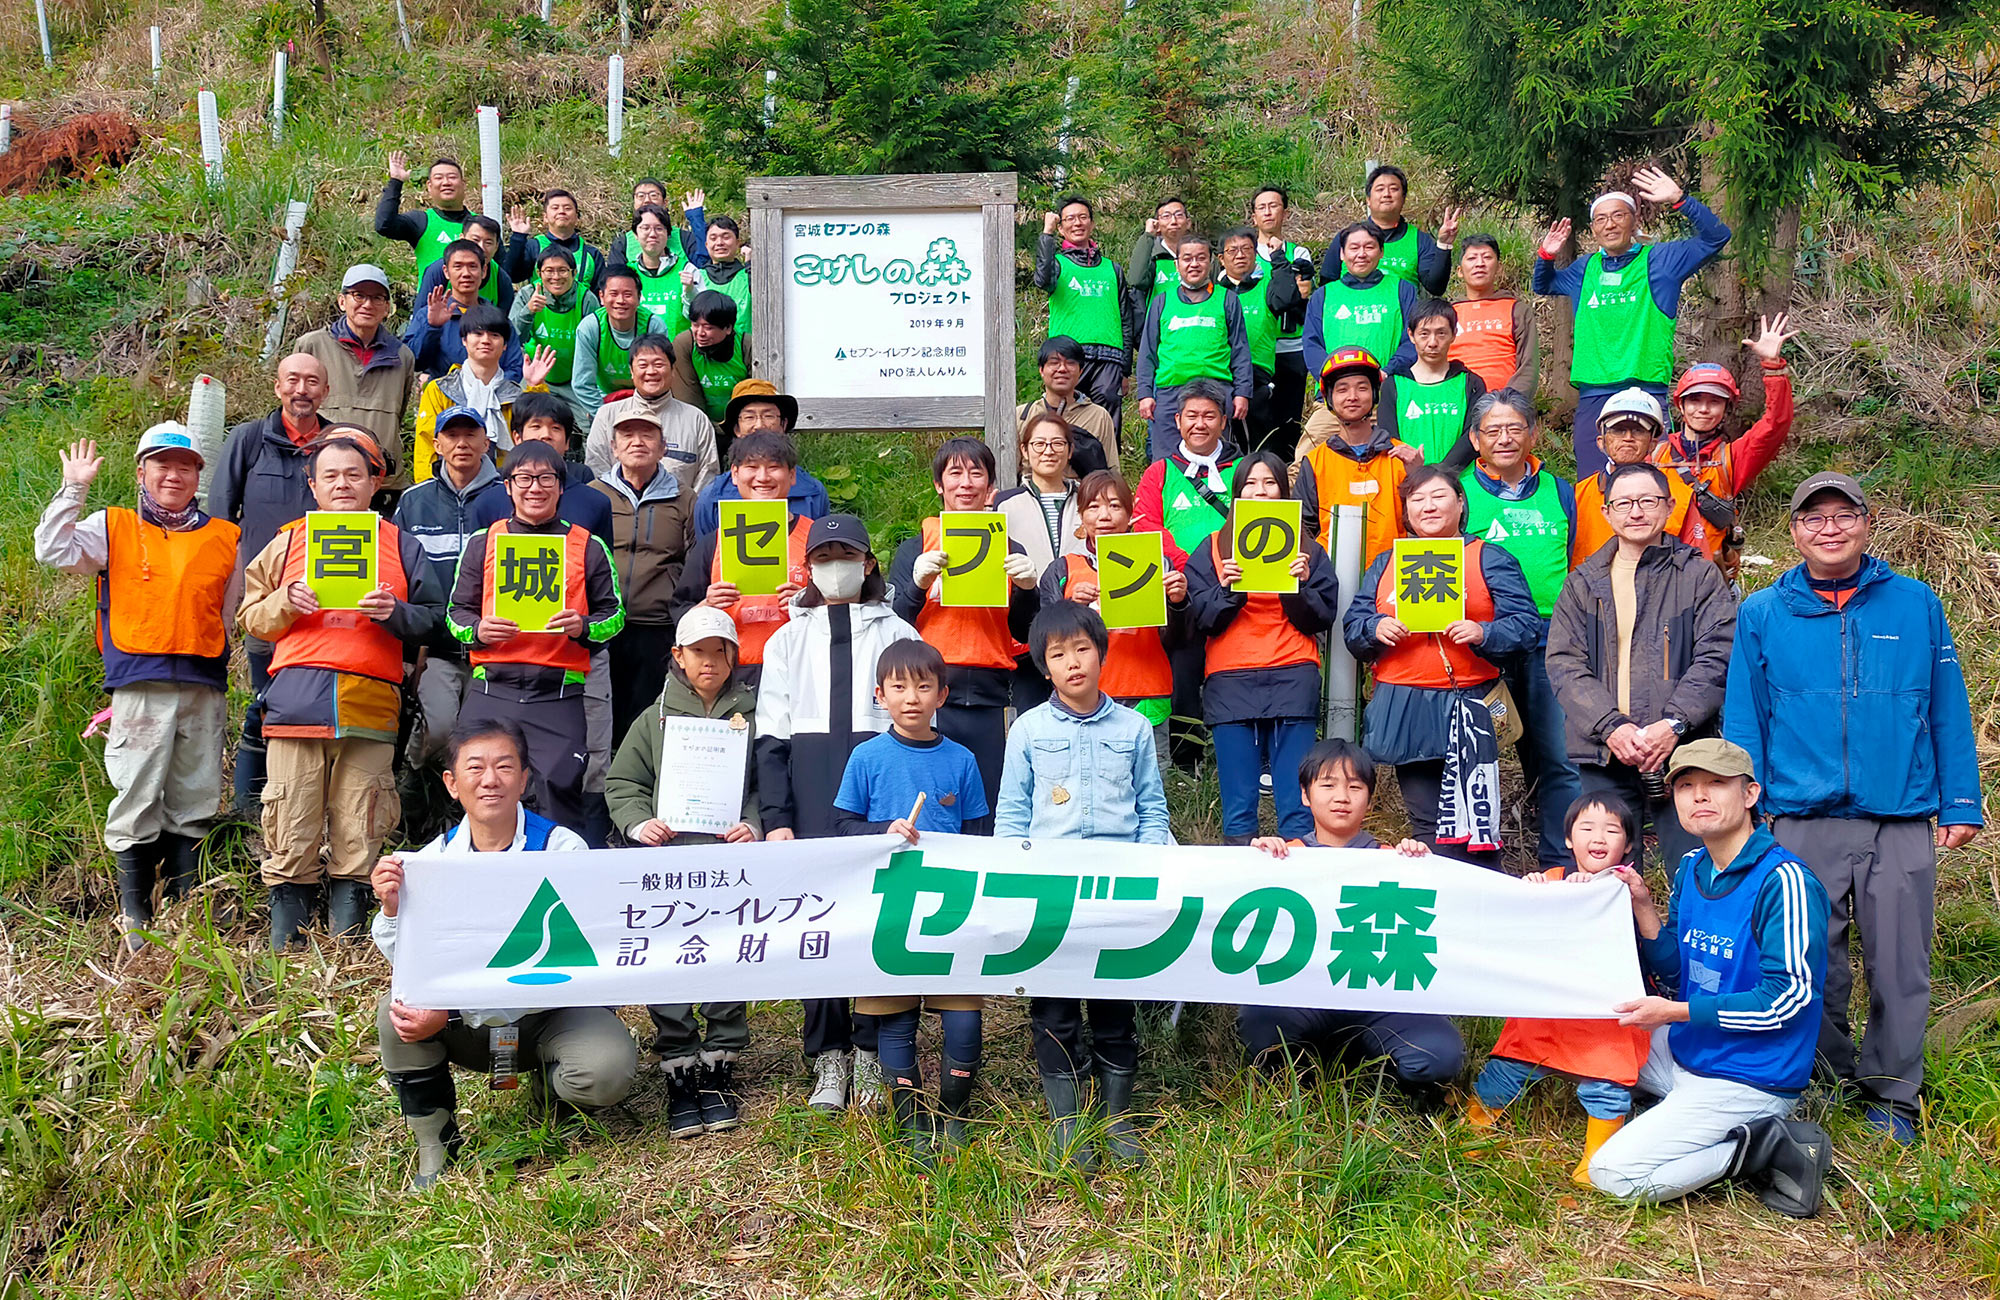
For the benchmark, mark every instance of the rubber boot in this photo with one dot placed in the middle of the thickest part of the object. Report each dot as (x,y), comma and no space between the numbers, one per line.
(182,865)
(913,1115)
(1595,1134)
(1477,1116)
(247,803)
(683,1099)
(1121,1138)
(1065,1095)
(955,1100)
(293,908)
(135,891)
(430,1107)
(348,903)
(1786,1161)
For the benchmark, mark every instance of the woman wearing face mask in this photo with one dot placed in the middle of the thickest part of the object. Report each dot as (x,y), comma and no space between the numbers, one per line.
(815,704)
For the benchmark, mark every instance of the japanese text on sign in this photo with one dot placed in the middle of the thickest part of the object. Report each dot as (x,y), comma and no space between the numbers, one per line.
(975,559)
(1266,539)
(1429,576)
(528,579)
(752,545)
(341,556)
(1131,580)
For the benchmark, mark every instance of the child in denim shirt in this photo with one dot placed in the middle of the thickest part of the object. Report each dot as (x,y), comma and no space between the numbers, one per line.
(1082,766)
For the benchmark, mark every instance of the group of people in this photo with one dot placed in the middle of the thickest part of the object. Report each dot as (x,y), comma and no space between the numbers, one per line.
(1799,757)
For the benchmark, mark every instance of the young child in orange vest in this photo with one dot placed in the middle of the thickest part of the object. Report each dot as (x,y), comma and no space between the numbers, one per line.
(1603,1056)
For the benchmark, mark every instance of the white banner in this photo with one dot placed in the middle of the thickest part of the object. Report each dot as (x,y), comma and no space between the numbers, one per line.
(1350,928)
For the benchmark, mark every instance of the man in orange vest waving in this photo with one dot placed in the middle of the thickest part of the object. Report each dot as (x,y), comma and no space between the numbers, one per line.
(165,581)
(336,695)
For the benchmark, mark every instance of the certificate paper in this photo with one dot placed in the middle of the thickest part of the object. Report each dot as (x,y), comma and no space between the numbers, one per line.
(701,773)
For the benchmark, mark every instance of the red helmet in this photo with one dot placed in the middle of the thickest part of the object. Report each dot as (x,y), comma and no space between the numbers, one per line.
(1707,377)
(1350,360)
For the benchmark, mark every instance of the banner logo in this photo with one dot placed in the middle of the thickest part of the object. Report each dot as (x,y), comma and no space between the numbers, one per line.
(546,936)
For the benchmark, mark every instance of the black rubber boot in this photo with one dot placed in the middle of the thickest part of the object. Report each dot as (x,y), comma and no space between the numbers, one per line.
(913,1115)
(1786,1161)
(430,1107)
(1065,1095)
(717,1086)
(348,903)
(182,864)
(684,1100)
(955,1100)
(135,891)
(1121,1139)
(293,908)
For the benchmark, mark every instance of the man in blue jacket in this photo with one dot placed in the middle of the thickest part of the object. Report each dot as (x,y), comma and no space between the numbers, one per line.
(1845,687)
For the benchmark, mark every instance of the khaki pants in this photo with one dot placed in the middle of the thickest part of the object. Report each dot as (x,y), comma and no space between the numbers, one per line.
(589,1054)
(342,791)
(164,758)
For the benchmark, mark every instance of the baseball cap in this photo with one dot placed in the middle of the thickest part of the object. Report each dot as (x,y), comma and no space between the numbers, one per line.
(845,529)
(703,622)
(454,414)
(364,273)
(1628,402)
(760,390)
(1828,481)
(168,436)
(1713,754)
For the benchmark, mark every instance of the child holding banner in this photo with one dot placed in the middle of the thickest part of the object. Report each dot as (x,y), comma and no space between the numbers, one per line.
(969,589)
(1261,593)
(1603,1056)
(905,781)
(1078,768)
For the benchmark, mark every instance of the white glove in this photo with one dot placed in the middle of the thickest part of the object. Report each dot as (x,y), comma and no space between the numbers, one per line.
(928,566)
(1021,569)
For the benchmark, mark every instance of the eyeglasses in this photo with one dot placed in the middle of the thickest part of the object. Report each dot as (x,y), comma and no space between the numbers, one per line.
(368,297)
(1495,430)
(1043,445)
(1840,519)
(1627,505)
(525,481)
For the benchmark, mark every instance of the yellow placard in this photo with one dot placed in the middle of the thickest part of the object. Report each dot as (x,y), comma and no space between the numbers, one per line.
(1264,537)
(1131,580)
(529,578)
(340,555)
(975,559)
(1429,575)
(751,540)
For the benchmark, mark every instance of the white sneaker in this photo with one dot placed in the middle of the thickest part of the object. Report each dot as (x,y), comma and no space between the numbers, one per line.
(829,1094)
(867,1080)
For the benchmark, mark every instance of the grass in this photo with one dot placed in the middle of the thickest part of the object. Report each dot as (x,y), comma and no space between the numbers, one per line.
(207,1120)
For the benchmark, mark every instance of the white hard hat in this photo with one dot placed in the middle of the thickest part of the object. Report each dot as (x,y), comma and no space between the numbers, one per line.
(703,622)
(1631,401)
(169,436)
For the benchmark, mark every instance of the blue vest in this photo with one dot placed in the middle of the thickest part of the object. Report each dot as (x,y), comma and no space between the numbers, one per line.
(1720,955)
(535,830)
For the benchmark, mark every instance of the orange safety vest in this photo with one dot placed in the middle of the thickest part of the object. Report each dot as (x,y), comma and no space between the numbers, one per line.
(1375,485)
(1593,530)
(1485,341)
(161,594)
(758,618)
(1717,473)
(1581,1049)
(1135,665)
(344,640)
(968,638)
(1429,660)
(544,649)
(1260,636)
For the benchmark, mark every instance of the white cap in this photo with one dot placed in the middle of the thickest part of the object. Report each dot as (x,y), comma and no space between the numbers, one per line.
(1631,401)
(703,622)
(364,273)
(168,436)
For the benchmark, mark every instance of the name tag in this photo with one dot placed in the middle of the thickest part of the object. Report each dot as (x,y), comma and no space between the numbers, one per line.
(1611,279)
(1366,487)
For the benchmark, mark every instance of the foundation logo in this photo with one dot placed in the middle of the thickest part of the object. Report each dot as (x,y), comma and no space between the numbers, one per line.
(546,937)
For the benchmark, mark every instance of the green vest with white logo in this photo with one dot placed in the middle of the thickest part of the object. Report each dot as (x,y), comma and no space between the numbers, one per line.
(439,232)
(556,330)
(736,288)
(719,378)
(1621,333)
(1194,340)
(1084,303)
(1399,256)
(1166,276)
(1260,327)
(1431,417)
(1536,532)
(614,363)
(1189,518)
(491,289)
(1369,318)
(1293,252)
(661,292)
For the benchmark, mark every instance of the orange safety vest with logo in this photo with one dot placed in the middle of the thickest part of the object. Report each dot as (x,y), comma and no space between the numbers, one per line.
(1260,636)
(1716,472)
(968,638)
(1135,665)
(1593,530)
(542,649)
(1581,1049)
(1374,484)
(758,618)
(1428,660)
(1485,339)
(159,601)
(344,640)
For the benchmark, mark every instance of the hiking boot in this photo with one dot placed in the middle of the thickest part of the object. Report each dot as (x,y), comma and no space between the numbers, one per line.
(831,1073)
(1121,1138)
(348,903)
(955,1100)
(293,908)
(868,1087)
(181,865)
(1477,1116)
(135,892)
(1596,1133)
(429,1103)
(1785,1161)
(683,1099)
(716,1084)
(1070,1145)
(1890,1122)
(913,1115)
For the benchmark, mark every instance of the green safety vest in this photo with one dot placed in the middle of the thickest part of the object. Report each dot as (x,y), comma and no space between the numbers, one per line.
(1083,303)
(1399,256)
(1194,340)
(736,287)
(719,378)
(1260,327)
(1536,532)
(554,329)
(586,266)
(1431,417)
(491,289)
(662,293)
(614,363)
(1368,318)
(1621,333)
(1189,518)
(1166,275)
(439,232)
(1293,252)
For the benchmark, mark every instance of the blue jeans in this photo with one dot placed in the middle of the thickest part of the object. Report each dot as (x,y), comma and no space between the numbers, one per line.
(1589,403)
(1245,750)
(1502,1080)
(1552,779)
(897,1043)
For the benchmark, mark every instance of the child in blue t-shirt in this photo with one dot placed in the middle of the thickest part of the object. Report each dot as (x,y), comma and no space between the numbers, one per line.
(880,791)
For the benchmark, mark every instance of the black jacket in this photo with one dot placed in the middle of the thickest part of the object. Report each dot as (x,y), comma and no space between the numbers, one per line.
(260,482)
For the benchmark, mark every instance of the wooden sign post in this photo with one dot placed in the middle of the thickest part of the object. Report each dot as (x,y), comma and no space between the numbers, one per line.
(891,301)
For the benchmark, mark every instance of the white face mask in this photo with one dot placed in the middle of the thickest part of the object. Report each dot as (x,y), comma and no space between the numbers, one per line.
(839,580)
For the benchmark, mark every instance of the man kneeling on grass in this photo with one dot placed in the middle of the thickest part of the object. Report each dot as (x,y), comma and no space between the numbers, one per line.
(584,1056)
(1744,942)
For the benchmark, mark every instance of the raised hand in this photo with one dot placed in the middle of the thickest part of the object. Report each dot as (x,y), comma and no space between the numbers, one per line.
(437,308)
(1655,186)
(1556,240)
(693,199)
(81,464)
(537,300)
(517,218)
(1447,231)
(1771,336)
(399,165)
(535,371)
(1048,223)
